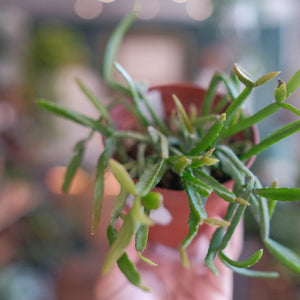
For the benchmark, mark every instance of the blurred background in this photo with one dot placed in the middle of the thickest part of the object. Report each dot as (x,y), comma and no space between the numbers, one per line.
(46,251)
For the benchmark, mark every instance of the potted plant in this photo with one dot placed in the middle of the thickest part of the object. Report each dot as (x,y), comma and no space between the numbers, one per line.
(200,148)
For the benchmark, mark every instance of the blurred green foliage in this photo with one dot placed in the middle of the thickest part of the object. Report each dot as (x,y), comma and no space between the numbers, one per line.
(51,47)
(56,45)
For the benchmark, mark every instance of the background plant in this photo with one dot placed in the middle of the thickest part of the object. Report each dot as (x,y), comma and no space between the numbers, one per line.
(193,144)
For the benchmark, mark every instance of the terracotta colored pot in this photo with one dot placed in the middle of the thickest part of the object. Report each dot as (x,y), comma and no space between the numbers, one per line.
(177,201)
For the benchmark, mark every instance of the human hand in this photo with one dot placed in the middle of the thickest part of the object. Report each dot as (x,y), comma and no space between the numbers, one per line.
(170,279)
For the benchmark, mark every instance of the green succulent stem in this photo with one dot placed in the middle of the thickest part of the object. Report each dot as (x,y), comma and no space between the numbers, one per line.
(236,104)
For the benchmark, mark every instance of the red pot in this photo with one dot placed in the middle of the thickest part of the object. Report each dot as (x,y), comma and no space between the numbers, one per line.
(177,201)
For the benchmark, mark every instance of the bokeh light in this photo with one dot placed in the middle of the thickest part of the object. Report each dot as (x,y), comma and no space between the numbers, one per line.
(199,10)
(55,177)
(88,9)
